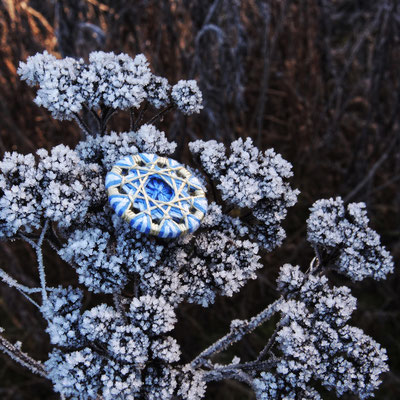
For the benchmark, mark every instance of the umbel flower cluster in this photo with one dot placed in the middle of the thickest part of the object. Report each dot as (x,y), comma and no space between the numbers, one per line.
(124,348)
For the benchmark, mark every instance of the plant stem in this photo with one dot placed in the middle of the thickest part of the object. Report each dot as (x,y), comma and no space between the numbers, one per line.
(236,333)
(22,358)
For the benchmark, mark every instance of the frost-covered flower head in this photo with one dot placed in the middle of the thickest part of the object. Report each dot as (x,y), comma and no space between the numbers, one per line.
(187,97)
(20,207)
(59,81)
(158,91)
(111,80)
(59,186)
(318,345)
(117,81)
(249,178)
(342,233)
(71,185)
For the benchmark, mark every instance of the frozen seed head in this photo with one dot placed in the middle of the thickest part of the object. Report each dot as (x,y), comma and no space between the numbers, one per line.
(342,233)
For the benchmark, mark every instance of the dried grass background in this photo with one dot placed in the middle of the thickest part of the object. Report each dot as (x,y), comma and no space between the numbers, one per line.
(317,80)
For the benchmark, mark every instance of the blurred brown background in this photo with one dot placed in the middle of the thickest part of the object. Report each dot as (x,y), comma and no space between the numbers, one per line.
(317,80)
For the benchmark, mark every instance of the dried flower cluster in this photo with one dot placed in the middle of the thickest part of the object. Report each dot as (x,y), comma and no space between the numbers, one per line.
(110,80)
(342,236)
(317,344)
(126,350)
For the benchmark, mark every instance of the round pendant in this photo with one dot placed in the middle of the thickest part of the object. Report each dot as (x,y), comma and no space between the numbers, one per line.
(156,195)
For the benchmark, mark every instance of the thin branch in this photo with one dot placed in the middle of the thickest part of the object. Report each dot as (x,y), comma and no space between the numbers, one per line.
(24,290)
(265,351)
(248,366)
(39,255)
(240,329)
(118,305)
(135,124)
(131,119)
(372,171)
(94,114)
(160,114)
(221,374)
(105,118)
(10,281)
(22,358)
(84,128)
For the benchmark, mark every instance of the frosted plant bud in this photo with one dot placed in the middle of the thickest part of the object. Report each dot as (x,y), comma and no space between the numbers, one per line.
(62,311)
(166,349)
(59,87)
(290,278)
(20,204)
(75,374)
(192,385)
(158,91)
(160,383)
(117,81)
(129,344)
(150,140)
(153,315)
(98,268)
(187,97)
(120,381)
(99,323)
(343,233)
(37,67)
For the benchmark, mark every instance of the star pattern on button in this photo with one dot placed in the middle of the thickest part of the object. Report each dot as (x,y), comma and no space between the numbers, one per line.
(156,195)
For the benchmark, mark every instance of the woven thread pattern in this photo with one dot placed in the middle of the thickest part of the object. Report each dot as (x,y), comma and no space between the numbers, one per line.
(156,195)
